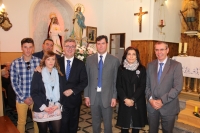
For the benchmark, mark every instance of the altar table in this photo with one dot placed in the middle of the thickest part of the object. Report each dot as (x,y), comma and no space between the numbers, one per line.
(190,66)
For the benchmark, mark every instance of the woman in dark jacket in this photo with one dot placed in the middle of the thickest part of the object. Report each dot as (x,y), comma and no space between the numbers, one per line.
(131,83)
(45,92)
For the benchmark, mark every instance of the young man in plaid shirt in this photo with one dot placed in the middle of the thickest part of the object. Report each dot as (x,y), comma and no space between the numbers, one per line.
(21,73)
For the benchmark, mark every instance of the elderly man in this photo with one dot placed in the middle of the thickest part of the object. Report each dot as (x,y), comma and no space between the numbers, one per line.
(164,83)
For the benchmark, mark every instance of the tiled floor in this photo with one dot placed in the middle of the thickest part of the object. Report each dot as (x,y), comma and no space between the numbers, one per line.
(85,121)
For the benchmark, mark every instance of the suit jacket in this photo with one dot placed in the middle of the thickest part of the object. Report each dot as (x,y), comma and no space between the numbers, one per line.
(167,90)
(77,81)
(109,76)
(41,54)
(38,92)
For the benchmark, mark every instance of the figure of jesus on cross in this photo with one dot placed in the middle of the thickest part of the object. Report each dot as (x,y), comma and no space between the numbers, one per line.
(140,14)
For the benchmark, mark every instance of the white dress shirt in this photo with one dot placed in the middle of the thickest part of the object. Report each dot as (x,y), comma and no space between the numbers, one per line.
(159,68)
(71,61)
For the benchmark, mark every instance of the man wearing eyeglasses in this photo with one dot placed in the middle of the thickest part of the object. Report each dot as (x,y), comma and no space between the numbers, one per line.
(21,73)
(164,83)
(76,80)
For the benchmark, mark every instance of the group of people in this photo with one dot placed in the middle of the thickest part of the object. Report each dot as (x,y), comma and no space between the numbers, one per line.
(52,87)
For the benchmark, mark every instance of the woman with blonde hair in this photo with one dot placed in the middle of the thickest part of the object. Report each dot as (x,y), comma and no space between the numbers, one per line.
(46,88)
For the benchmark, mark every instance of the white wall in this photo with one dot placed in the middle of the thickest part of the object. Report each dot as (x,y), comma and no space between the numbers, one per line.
(172,30)
(119,18)
(109,16)
(19,12)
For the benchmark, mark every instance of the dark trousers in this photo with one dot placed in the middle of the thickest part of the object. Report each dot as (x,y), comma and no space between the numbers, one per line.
(70,119)
(167,122)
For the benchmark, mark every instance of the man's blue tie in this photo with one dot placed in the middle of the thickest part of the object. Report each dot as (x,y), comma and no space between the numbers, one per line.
(100,71)
(68,68)
(160,72)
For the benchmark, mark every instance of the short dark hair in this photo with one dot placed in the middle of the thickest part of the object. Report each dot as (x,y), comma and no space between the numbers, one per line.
(160,42)
(137,56)
(27,40)
(48,39)
(99,38)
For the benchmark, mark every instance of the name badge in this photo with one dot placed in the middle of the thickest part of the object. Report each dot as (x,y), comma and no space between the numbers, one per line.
(98,89)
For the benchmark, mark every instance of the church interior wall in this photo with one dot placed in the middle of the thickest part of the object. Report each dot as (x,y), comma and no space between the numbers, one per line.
(109,16)
(19,12)
(119,18)
(172,20)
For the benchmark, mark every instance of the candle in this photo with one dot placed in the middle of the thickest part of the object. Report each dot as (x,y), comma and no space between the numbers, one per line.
(180,47)
(0,9)
(196,109)
(3,8)
(185,48)
(161,22)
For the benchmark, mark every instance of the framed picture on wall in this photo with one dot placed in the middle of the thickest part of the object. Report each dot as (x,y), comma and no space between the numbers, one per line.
(91,33)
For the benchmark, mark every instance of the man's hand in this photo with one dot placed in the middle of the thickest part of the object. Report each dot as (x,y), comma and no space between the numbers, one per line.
(31,100)
(28,101)
(38,69)
(156,104)
(159,102)
(68,92)
(113,102)
(87,101)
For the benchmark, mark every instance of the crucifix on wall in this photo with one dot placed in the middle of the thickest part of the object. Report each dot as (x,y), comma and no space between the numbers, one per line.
(140,14)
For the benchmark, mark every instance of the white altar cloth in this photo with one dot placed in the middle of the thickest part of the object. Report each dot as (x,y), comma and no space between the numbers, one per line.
(190,66)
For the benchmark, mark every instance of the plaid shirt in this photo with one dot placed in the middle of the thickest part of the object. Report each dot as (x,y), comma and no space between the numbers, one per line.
(21,77)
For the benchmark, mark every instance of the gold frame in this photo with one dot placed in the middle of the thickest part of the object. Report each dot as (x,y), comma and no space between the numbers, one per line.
(91,33)
(6,24)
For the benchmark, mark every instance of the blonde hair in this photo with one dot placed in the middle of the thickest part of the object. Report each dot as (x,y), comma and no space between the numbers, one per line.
(47,55)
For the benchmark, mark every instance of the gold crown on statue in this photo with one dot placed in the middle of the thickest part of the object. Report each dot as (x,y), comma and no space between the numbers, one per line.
(52,15)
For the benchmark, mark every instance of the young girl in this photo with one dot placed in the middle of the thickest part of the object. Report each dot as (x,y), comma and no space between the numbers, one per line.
(45,92)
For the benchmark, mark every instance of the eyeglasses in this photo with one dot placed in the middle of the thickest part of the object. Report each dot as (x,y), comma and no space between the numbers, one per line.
(68,47)
(161,50)
(28,65)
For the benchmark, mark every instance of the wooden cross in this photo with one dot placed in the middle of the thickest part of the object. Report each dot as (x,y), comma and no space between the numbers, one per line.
(140,18)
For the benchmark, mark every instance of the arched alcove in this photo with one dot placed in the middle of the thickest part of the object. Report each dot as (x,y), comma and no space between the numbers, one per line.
(40,19)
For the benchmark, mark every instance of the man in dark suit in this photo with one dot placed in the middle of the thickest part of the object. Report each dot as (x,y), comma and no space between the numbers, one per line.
(164,83)
(100,94)
(76,80)
(46,46)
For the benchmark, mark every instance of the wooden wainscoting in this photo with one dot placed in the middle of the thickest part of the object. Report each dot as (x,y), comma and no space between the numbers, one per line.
(193,45)
(146,49)
(9,56)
